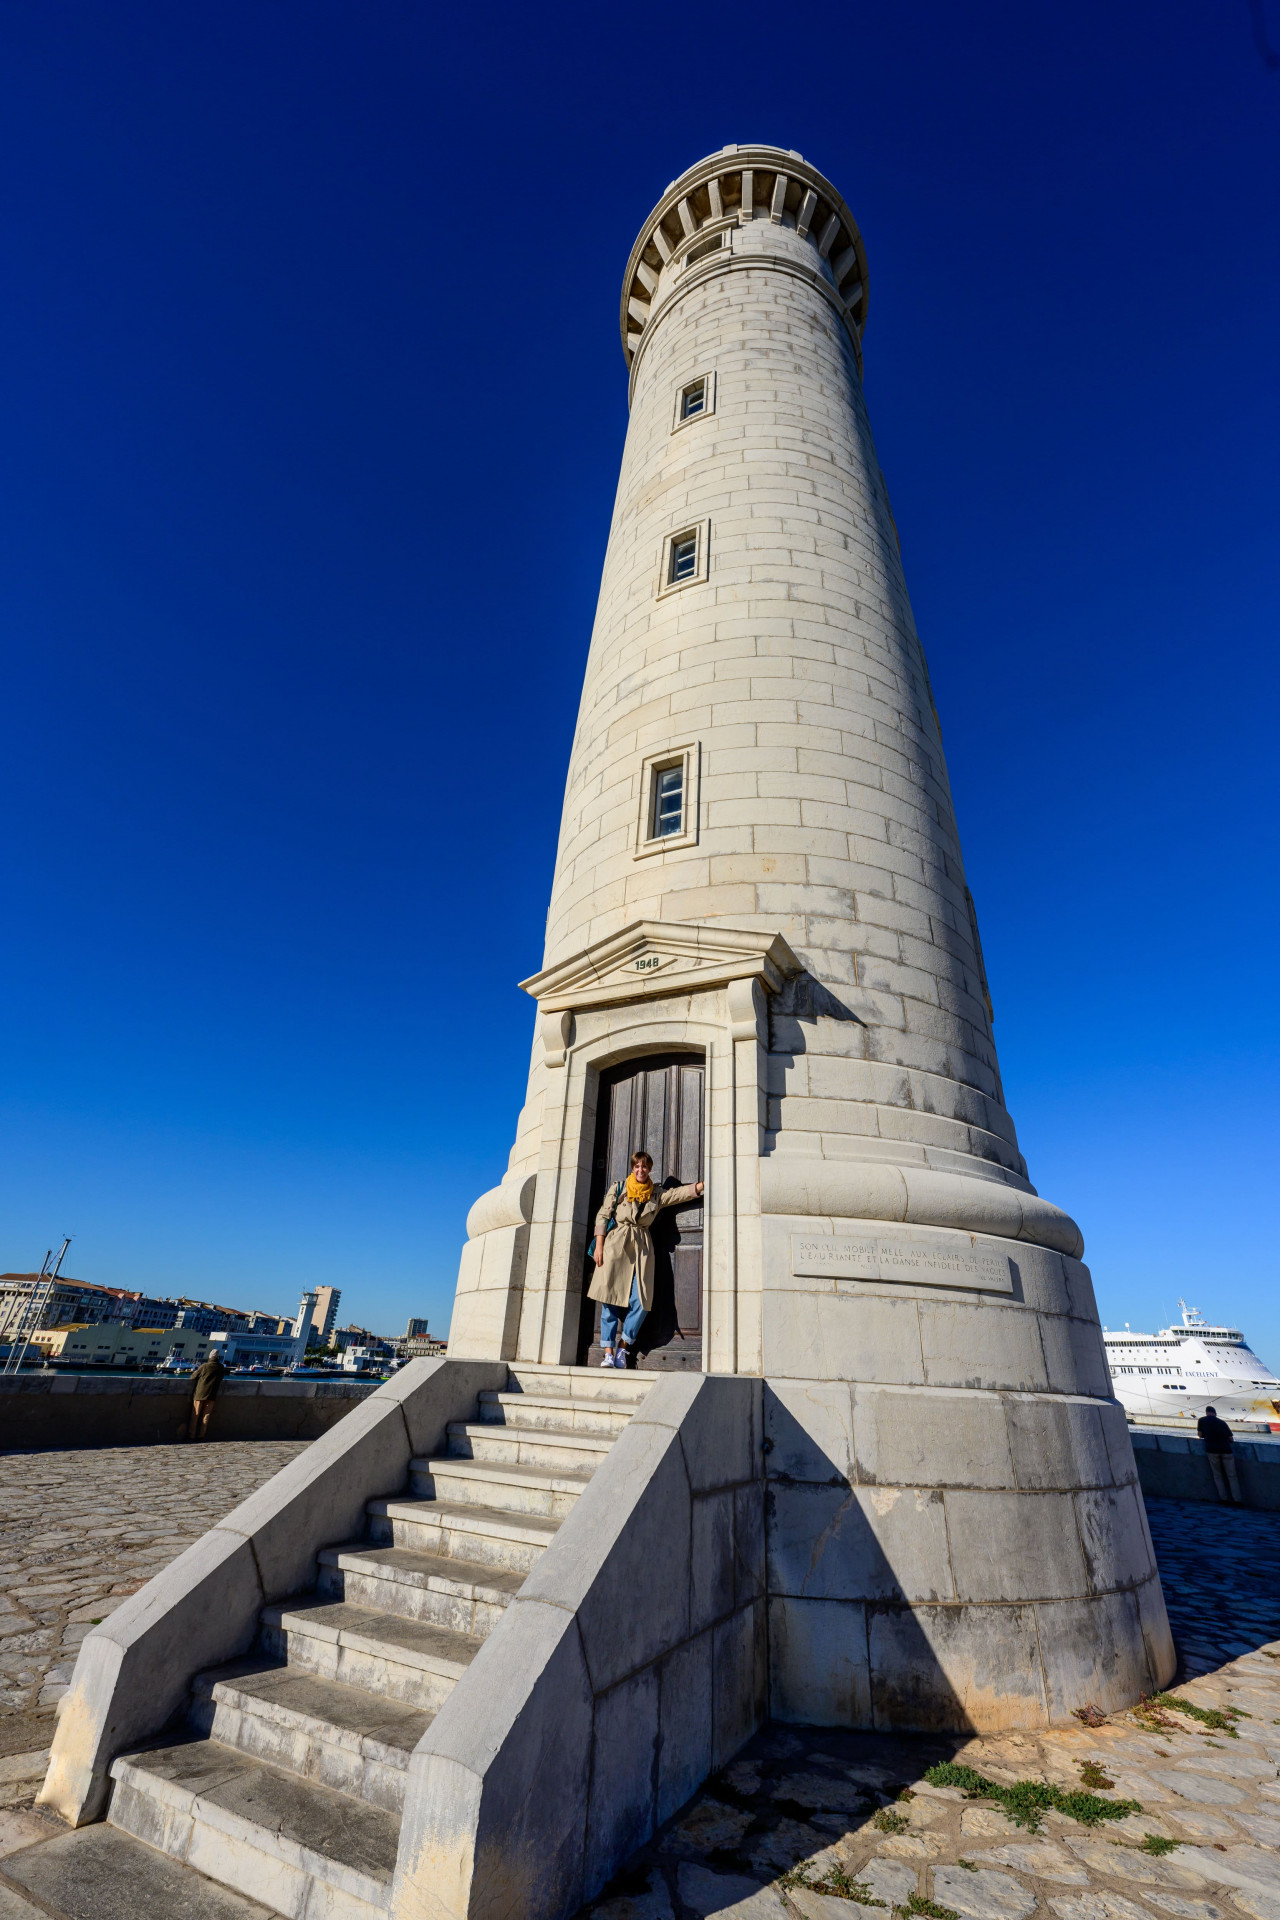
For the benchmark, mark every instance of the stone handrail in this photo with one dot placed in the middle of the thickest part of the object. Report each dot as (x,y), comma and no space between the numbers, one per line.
(629,1667)
(134,1671)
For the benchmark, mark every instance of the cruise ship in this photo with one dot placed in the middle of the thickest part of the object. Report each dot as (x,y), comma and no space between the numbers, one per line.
(1180,1371)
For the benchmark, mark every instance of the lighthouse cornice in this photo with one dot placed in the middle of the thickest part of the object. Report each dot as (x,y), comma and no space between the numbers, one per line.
(703,218)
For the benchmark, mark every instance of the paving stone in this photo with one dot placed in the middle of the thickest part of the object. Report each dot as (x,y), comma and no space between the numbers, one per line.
(728,1896)
(1205,1789)
(982,1893)
(100,1873)
(1044,1861)
(709,1827)
(986,1823)
(787,1845)
(1194,1824)
(913,1846)
(652,1903)
(820,1791)
(812,1905)
(163,1499)
(14,1907)
(1099,1906)
(892,1881)
(1185,1909)
(1260,1906)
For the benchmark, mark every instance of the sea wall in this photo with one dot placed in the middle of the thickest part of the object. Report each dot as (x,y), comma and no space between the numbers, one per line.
(40,1411)
(1175,1466)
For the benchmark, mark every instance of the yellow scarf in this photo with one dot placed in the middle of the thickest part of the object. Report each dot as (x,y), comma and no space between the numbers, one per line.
(637,1192)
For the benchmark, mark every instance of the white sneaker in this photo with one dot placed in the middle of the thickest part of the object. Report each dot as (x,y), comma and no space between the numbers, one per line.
(620,1358)
(606,1357)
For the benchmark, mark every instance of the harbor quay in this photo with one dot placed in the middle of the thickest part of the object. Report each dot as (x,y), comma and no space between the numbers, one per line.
(799,1809)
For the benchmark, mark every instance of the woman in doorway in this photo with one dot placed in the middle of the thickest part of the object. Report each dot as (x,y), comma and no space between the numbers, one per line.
(624,1257)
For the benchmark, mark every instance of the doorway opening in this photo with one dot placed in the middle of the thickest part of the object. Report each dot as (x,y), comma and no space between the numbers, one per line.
(654,1103)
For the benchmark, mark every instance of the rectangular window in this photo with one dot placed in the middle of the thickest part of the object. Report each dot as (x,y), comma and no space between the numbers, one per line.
(668,811)
(684,559)
(693,400)
(668,801)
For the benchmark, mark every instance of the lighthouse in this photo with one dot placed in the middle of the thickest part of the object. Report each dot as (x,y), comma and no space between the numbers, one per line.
(763,967)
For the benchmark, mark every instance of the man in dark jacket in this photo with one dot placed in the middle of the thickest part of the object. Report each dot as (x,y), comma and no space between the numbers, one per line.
(1219,1444)
(204,1392)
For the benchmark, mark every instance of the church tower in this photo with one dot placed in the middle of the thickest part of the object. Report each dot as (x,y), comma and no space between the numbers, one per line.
(762,963)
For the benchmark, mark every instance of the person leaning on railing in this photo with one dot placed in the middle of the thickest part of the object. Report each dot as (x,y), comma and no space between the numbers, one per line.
(204,1391)
(1219,1444)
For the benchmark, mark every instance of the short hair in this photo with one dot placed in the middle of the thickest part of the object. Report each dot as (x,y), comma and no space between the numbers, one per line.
(640,1154)
(1211,1410)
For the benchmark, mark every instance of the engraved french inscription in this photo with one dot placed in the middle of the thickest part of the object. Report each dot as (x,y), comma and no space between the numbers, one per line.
(923,1256)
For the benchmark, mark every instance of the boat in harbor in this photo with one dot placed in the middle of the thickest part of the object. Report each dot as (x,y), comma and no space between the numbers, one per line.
(1178,1372)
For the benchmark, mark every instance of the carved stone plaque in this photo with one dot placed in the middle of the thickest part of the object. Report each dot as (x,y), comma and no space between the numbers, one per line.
(920,1256)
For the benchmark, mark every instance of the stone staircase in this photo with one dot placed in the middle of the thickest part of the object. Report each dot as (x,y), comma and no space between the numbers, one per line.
(290,1783)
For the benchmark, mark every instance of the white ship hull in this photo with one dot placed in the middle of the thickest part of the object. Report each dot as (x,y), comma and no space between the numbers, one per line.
(1176,1373)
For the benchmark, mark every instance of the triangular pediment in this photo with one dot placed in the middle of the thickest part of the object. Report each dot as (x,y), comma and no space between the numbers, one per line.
(653,957)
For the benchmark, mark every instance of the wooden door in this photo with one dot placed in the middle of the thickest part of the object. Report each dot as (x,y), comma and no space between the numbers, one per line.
(655,1104)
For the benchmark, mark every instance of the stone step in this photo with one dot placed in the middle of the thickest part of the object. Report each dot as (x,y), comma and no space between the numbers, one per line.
(472,1532)
(346,1738)
(410,1660)
(100,1872)
(556,1411)
(450,1592)
(552,1492)
(536,1447)
(579,1383)
(295,1845)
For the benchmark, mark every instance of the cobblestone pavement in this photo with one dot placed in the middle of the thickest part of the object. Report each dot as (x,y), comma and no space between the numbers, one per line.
(80,1531)
(820,1824)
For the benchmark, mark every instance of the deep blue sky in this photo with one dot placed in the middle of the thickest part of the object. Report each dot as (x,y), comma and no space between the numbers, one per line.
(312,406)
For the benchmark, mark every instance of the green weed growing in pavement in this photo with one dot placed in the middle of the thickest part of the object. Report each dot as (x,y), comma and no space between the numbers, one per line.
(929,1908)
(890,1822)
(967,1865)
(1219,1718)
(1152,1717)
(836,1882)
(1026,1801)
(1157,1844)
(1092,1775)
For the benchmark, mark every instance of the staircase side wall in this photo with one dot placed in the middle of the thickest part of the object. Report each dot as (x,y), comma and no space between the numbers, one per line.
(630,1666)
(134,1672)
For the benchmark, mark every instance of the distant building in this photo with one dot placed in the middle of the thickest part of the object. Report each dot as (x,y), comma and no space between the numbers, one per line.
(263,1349)
(416,1330)
(343,1337)
(69,1300)
(112,1343)
(325,1316)
(82,1303)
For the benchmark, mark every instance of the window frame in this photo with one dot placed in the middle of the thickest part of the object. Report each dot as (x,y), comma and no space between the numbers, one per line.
(708,379)
(688,756)
(700,534)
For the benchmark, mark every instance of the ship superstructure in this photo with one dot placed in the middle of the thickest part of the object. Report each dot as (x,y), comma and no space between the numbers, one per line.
(1181,1370)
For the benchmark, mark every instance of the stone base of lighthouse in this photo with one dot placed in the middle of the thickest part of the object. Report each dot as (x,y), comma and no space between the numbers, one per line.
(954,1532)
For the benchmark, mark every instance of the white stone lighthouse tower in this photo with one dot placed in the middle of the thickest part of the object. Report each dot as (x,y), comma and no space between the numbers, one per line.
(762,963)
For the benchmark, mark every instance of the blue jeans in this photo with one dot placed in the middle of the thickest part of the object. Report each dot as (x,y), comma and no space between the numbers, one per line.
(636,1317)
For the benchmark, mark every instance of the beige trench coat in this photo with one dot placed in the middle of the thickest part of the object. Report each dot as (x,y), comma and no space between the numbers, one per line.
(629,1248)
